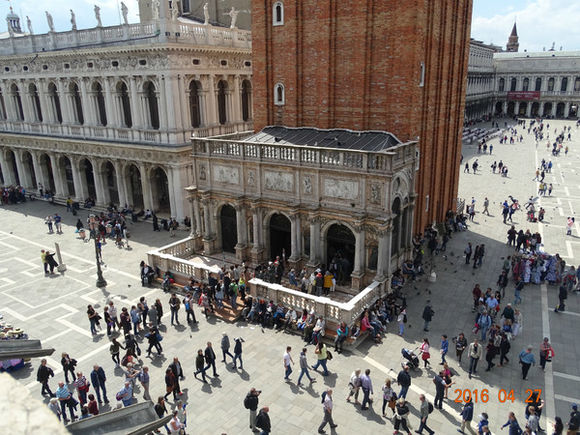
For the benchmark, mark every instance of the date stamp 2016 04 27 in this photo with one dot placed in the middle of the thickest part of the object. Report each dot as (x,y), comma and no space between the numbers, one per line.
(483,396)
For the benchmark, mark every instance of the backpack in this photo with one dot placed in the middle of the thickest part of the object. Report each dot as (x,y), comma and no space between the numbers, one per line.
(430,407)
(247,402)
(404,318)
(323,397)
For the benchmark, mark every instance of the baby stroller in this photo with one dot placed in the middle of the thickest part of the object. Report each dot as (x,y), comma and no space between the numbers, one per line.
(412,359)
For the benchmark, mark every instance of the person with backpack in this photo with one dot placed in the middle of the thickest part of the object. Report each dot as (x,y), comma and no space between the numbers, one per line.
(327,406)
(426,409)
(251,403)
(263,421)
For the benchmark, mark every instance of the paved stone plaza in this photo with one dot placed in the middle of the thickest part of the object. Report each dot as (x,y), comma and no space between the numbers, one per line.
(54,309)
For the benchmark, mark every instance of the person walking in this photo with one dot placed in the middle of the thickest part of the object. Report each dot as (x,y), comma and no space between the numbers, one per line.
(562,296)
(424,410)
(263,421)
(440,386)
(170,384)
(526,360)
(490,354)
(485,206)
(322,353)
(225,345)
(98,380)
(200,365)
(177,370)
(354,386)
(43,374)
(517,290)
(389,397)
(401,321)
(82,386)
(444,348)
(425,354)
(145,379)
(404,380)
(466,417)
(402,416)
(367,387)
(428,314)
(188,304)
(251,403)
(327,407)
(468,250)
(174,304)
(68,365)
(513,425)
(504,348)
(460,345)
(288,361)
(304,368)
(474,352)
(238,352)
(210,359)
(66,399)
(153,339)
(546,352)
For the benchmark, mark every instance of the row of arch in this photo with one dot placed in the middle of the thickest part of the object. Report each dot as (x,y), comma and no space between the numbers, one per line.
(538,84)
(547,109)
(77,178)
(15,109)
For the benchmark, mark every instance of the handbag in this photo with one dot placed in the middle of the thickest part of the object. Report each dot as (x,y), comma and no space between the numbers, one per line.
(328,355)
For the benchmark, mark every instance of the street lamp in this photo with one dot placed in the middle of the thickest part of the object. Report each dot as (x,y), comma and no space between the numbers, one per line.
(94,228)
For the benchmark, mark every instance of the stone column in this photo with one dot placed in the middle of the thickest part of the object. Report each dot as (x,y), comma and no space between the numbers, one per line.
(57,174)
(6,170)
(314,240)
(65,102)
(211,98)
(566,109)
(171,181)
(26,98)
(554,106)
(196,216)
(258,246)
(209,236)
(47,114)
(504,107)
(88,109)
(146,187)
(193,228)
(163,106)
(358,272)
(529,109)
(113,119)
(79,180)
(541,109)
(241,220)
(517,108)
(384,257)
(38,173)
(24,176)
(136,113)
(171,97)
(103,197)
(121,183)
(237,101)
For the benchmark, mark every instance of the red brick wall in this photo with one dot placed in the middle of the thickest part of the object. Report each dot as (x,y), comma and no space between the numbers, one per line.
(357,64)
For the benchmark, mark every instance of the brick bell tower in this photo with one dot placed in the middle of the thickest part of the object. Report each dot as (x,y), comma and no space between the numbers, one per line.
(370,65)
(513,41)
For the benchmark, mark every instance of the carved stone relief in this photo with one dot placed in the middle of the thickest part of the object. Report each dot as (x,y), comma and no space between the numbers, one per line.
(226,174)
(279,181)
(375,194)
(341,189)
(307,185)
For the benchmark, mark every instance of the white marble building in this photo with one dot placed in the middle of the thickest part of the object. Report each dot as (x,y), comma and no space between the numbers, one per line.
(108,112)
(479,95)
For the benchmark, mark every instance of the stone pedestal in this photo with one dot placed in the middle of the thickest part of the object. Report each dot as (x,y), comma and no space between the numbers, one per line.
(210,245)
(240,252)
(256,256)
(357,282)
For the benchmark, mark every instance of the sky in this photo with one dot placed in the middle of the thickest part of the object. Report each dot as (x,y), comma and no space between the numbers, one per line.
(540,22)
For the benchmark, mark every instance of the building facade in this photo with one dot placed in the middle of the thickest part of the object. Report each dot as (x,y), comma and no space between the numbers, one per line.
(544,84)
(310,196)
(381,65)
(479,97)
(108,112)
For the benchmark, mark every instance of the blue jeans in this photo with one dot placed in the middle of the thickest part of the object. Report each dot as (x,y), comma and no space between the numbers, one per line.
(443,357)
(426,324)
(93,325)
(303,372)
(288,371)
(483,334)
(174,314)
(321,362)
(401,328)
(238,356)
(517,297)
(403,392)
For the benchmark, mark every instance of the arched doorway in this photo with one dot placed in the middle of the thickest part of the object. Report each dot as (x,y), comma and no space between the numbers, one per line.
(523,108)
(280,236)
(340,248)
(111,184)
(573,110)
(195,103)
(152,105)
(560,110)
(229,228)
(46,168)
(134,187)
(246,100)
(547,109)
(28,166)
(498,107)
(511,108)
(221,100)
(160,191)
(65,166)
(535,109)
(89,177)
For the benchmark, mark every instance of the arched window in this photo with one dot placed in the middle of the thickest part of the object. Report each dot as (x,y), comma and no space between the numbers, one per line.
(564,85)
(501,84)
(151,97)
(222,112)
(513,84)
(35,99)
(77,104)
(55,102)
(526,84)
(17,102)
(100,103)
(124,104)
(278,14)
(279,94)
(194,103)
(551,84)
(577,84)
(246,100)
(538,84)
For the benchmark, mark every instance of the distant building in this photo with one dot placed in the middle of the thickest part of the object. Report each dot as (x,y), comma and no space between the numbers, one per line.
(479,97)
(107,113)
(513,44)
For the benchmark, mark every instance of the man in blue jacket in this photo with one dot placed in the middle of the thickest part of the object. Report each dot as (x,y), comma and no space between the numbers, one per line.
(98,379)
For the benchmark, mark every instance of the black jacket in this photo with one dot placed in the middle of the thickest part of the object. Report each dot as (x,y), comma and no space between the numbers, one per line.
(404,379)
(199,362)
(68,364)
(176,369)
(44,373)
(263,421)
(98,377)
(209,355)
(252,401)
(428,313)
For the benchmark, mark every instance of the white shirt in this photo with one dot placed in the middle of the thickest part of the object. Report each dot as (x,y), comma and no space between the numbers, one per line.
(287,359)
(328,403)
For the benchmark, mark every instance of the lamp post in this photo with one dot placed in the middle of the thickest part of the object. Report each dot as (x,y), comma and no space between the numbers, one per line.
(92,226)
